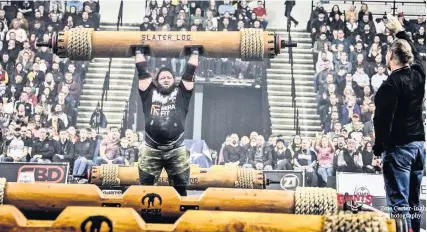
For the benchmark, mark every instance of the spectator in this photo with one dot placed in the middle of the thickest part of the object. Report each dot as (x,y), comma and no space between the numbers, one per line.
(86,22)
(126,151)
(260,157)
(233,153)
(364,10)
(341,40)
(226,7)
(335,11)
(282,159)
(261,14)
(418,24)
(65,149)
(109,147)
(83,153)
(325,155)
(306,160)
(351,13)
(378,78)
(16,149)
(367,158)
(337,23)
(43,149)
(350,159)
(361,78)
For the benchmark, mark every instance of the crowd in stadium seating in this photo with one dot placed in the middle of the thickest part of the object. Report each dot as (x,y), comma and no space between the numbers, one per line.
(349,50)
(207,16)
(40,91)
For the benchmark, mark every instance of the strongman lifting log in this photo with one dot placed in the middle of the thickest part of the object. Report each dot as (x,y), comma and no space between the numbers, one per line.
(248,44)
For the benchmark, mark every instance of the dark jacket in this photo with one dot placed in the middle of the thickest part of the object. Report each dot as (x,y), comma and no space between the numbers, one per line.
(47,148)
(285,154)
(84,149)
(127,153)
(267,158)
(66,149)
(233,154)
(399,102)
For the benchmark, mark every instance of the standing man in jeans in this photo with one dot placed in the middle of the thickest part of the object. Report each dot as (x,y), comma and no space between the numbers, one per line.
(399,128)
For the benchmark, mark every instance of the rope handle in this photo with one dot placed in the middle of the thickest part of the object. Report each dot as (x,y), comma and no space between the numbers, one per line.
(2,189)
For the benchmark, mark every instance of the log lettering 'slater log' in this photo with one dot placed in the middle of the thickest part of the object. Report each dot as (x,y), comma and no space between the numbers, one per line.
(247,44)
(126,219)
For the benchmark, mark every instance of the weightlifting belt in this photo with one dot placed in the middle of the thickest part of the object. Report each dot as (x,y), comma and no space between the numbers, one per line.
(150,142)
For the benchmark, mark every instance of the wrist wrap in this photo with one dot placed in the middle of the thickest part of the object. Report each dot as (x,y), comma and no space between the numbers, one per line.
(189,73)
(141,67)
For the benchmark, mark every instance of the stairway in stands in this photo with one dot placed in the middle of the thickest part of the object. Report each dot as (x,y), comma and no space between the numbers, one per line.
(121,77)
(279,88)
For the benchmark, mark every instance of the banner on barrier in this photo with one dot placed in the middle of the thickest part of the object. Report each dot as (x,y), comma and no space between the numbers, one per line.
(35,172)
(360,187)
(285,179)
(363,187)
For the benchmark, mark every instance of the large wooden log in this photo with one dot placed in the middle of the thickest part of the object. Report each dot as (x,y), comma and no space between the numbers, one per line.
(155,202)
(248,44)
(125,219)
(217,176)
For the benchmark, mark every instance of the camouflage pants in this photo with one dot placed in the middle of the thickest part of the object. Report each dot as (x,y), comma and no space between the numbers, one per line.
(175,161)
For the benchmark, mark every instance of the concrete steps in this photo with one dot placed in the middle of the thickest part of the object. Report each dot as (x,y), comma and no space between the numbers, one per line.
(279,81)
(121,78)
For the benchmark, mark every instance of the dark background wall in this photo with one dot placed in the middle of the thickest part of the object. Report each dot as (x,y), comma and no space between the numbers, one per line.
(229,110)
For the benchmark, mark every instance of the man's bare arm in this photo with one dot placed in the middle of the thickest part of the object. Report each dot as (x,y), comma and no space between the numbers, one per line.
(144,76)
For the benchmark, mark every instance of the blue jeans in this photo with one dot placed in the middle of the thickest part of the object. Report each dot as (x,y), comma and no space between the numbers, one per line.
(403,170)
(324,172)
(118,160)
(80,166)
(40,160)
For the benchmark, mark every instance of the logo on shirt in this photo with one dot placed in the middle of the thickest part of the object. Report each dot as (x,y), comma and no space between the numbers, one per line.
(162,105)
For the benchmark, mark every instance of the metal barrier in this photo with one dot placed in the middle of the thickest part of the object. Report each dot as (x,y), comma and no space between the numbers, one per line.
(409,8)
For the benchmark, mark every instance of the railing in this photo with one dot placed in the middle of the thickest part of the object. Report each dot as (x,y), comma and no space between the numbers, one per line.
(105,89)
(124,123)
(120,16)
(293,89)
(410,8)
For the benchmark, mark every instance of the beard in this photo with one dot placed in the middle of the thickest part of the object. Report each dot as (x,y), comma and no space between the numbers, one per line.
(165,90)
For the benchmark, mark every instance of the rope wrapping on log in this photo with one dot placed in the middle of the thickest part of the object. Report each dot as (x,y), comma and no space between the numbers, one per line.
(110,175)
(315,201)
(252,45)
(244,178)
(80,44)
(2,189)
(349,222)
